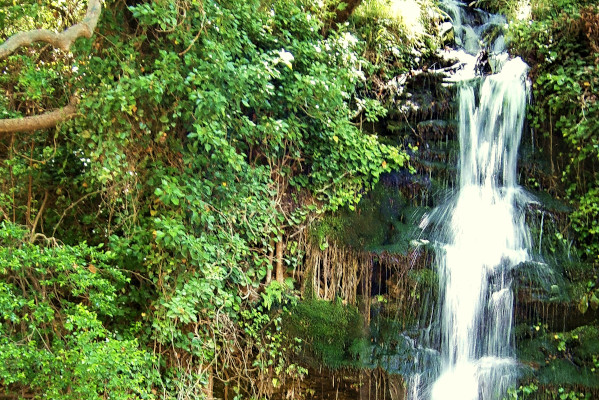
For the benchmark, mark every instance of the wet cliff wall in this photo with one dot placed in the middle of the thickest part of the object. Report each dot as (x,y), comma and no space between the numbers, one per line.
(378,256)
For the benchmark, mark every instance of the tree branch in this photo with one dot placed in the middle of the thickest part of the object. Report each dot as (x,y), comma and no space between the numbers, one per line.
(62,40)
(37,218)
(42,121)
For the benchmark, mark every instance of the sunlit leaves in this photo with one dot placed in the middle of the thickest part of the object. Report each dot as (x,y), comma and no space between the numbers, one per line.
(53,338)
(209,133)
(557,43)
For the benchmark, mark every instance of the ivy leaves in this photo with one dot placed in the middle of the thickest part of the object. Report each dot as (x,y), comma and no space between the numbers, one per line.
(53,336)
(209,134)
(566,78)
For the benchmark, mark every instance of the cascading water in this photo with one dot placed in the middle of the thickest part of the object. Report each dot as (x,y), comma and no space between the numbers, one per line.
(480,236)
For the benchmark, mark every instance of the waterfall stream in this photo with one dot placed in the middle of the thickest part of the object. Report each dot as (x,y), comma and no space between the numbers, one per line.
(480,234)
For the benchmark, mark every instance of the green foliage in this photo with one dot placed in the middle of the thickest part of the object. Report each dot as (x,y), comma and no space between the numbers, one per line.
(562,360)
(397,37)
(209,134)
(332,333)
(31,14)
(589,298)
(560,44)
(55,339)
(276,349)
(532,391)
(565,394)
(522,392)
(585,221)
(512,9)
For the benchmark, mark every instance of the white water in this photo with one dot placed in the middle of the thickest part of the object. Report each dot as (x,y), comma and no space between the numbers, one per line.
(481,236)
(485,237)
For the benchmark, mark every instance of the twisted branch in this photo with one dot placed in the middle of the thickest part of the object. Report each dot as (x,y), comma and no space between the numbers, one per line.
(62,40)
(42,121)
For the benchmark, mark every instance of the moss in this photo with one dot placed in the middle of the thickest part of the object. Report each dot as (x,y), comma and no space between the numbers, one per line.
(563,372)
(534,351)
(389,344)
(551,203)
(588,337)
(384,220)
(560,359)
(543,282)
(332,333)
(426,277)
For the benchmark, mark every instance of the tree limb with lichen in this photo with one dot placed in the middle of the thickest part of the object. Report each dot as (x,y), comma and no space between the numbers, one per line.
(43,121)
(63,41)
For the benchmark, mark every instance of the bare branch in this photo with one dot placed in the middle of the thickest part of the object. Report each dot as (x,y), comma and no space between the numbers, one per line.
(37,218)
(42,121)
(62,40)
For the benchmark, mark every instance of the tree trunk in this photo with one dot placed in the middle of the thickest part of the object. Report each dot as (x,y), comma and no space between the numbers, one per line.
(209,389)
(37,122)
(270,265)
(343,15)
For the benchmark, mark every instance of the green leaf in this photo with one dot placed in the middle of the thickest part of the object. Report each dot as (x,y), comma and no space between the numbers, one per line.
(594,301)
(583,304)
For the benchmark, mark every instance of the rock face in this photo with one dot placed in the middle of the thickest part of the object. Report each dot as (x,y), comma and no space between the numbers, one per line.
(555,313)
(396,283)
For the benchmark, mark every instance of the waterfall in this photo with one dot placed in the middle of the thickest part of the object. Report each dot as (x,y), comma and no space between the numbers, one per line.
(480,234)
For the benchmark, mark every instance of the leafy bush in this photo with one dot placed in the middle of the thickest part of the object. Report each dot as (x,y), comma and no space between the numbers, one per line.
(208,135)
(55,336)
(561,45)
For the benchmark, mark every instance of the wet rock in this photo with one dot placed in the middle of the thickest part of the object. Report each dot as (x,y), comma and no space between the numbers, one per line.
(483,67)
(436,130)
(447,34)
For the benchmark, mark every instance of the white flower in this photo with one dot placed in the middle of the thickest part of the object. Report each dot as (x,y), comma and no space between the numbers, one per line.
(348,40)
(359,74)
(285,57)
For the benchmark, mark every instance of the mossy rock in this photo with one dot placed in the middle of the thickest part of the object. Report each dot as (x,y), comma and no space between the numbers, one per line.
(562,372)
(551,204)
(332,333)
(560,359)
(384,220)
(588,336)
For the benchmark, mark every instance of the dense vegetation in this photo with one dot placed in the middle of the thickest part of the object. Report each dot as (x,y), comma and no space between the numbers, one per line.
(156,214)
(149,237)
(558,39)
(561,44)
